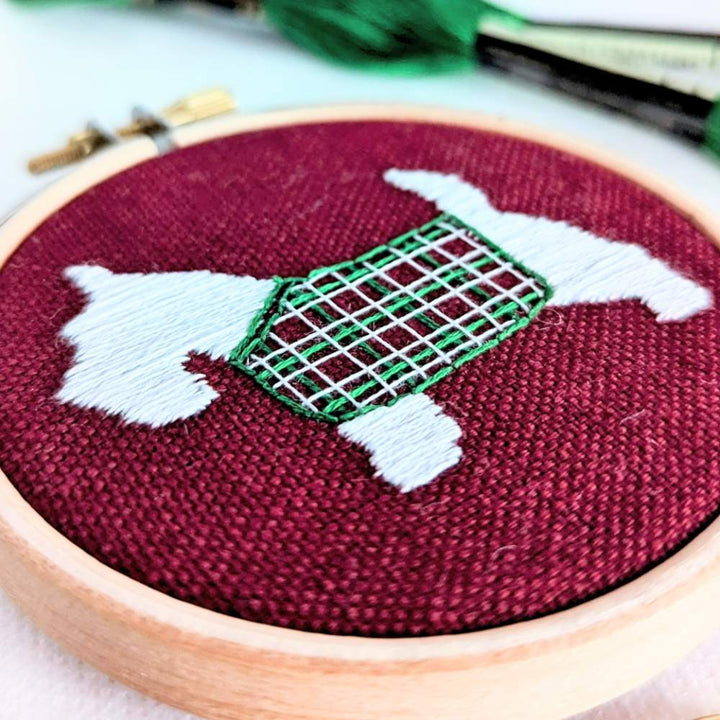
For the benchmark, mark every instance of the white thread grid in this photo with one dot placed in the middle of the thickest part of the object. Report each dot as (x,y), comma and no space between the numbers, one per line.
(362,333)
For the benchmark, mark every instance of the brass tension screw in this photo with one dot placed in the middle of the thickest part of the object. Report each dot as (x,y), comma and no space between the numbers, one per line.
(200,106)
(79,146)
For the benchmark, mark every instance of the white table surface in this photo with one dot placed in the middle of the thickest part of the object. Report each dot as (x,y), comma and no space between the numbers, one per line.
(63,66)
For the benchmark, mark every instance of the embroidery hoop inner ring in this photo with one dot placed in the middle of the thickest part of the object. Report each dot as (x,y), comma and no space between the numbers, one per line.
(223,667)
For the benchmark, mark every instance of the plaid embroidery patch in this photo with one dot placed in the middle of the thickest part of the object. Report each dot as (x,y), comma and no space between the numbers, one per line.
(363,333)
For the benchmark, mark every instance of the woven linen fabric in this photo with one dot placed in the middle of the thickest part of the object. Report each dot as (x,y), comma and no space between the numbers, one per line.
(589,439)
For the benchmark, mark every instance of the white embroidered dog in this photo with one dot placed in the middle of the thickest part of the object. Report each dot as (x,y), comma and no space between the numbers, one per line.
(135,335)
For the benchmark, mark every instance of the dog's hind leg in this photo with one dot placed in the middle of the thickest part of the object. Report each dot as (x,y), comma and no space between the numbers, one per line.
(410,442)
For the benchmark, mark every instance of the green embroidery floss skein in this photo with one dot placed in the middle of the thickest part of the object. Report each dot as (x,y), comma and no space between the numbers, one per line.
(712,130)
(395,36)
(426,36)
(401,36)
(422,36)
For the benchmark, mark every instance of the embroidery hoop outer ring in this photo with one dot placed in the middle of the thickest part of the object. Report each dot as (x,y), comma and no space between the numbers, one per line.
(223,667)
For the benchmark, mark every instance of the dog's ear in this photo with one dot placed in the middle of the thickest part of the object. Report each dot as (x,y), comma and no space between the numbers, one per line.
(135,334)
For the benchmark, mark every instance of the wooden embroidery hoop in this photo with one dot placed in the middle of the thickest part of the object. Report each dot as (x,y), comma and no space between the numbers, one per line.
(223,667)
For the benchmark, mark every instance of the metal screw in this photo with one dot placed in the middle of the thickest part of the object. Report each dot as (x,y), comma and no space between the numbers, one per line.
(79,146)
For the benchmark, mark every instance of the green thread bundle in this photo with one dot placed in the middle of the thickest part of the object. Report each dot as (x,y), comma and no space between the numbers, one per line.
(404,36)
(410,37)
(712,131)
(395,36)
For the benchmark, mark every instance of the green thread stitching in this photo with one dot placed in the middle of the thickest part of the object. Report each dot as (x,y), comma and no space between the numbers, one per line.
(290,295)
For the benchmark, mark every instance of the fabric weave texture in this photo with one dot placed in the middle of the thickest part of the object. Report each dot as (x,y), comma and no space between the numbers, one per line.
(590,439)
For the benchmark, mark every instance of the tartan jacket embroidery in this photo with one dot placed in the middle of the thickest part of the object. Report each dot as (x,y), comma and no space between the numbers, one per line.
(364,333)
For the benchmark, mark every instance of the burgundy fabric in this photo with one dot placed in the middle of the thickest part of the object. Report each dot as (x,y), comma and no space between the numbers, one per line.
(590,439)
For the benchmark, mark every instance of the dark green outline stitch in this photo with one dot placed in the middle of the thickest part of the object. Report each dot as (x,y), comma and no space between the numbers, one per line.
(271,310)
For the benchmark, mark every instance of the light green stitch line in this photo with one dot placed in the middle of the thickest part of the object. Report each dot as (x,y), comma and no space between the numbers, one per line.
(364,323)
(359,324)
(456,335)
(331,318)
(445,341)
(273,309)
(354,330)
(401,302)
(366,257)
